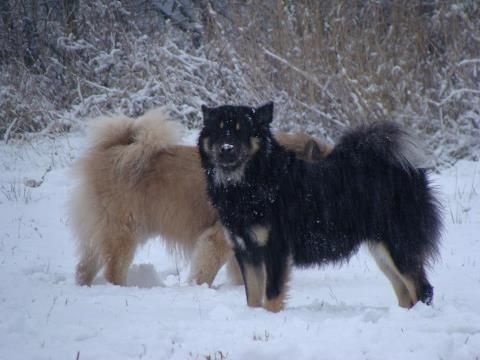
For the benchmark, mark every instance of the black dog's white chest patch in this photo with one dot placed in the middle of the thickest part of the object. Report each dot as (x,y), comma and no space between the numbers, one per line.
(229,177)
(235,241)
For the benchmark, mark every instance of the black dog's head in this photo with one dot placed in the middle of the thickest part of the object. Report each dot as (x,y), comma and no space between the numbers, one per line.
(231,135)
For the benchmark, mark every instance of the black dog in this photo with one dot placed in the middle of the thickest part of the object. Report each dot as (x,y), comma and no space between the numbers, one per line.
(278,210)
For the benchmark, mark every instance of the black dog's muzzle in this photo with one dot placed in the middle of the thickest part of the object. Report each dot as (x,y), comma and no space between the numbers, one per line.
(228,155)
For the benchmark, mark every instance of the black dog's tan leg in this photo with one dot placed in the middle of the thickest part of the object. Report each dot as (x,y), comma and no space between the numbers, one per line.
(403,284)
(277,303)
(254,277)
(278,275)
(210,254)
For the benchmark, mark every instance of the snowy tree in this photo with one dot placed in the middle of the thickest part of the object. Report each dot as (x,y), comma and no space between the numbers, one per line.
(327,64)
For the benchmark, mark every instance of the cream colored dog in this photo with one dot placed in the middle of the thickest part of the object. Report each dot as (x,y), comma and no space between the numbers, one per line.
(135,183)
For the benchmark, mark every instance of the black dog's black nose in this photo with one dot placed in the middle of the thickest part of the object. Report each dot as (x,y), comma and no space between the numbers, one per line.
(226,149)
(227,153)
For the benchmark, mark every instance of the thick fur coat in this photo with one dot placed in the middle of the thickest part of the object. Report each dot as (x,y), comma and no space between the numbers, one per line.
(279,210)
(136,182)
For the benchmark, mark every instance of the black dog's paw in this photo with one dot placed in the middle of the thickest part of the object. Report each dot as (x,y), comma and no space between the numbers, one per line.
(427,294)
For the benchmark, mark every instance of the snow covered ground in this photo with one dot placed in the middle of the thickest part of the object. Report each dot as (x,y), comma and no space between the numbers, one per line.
(332,313)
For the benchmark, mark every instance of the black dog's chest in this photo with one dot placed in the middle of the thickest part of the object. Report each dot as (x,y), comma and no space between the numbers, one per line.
(243,210)
(252,205)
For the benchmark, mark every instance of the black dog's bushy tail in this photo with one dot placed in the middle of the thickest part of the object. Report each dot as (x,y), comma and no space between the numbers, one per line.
(383,141)
(389,170)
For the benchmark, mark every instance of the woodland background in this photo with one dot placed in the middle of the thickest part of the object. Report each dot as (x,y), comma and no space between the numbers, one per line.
(327,64)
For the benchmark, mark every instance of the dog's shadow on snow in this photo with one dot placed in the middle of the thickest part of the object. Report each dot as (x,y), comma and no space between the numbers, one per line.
(142,276)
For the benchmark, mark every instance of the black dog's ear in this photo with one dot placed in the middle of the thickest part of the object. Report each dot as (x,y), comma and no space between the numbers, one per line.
(264,113)
(312,151)
(206,113)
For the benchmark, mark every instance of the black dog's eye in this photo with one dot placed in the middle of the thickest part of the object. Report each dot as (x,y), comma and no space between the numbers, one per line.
(237,126)
(221,124)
